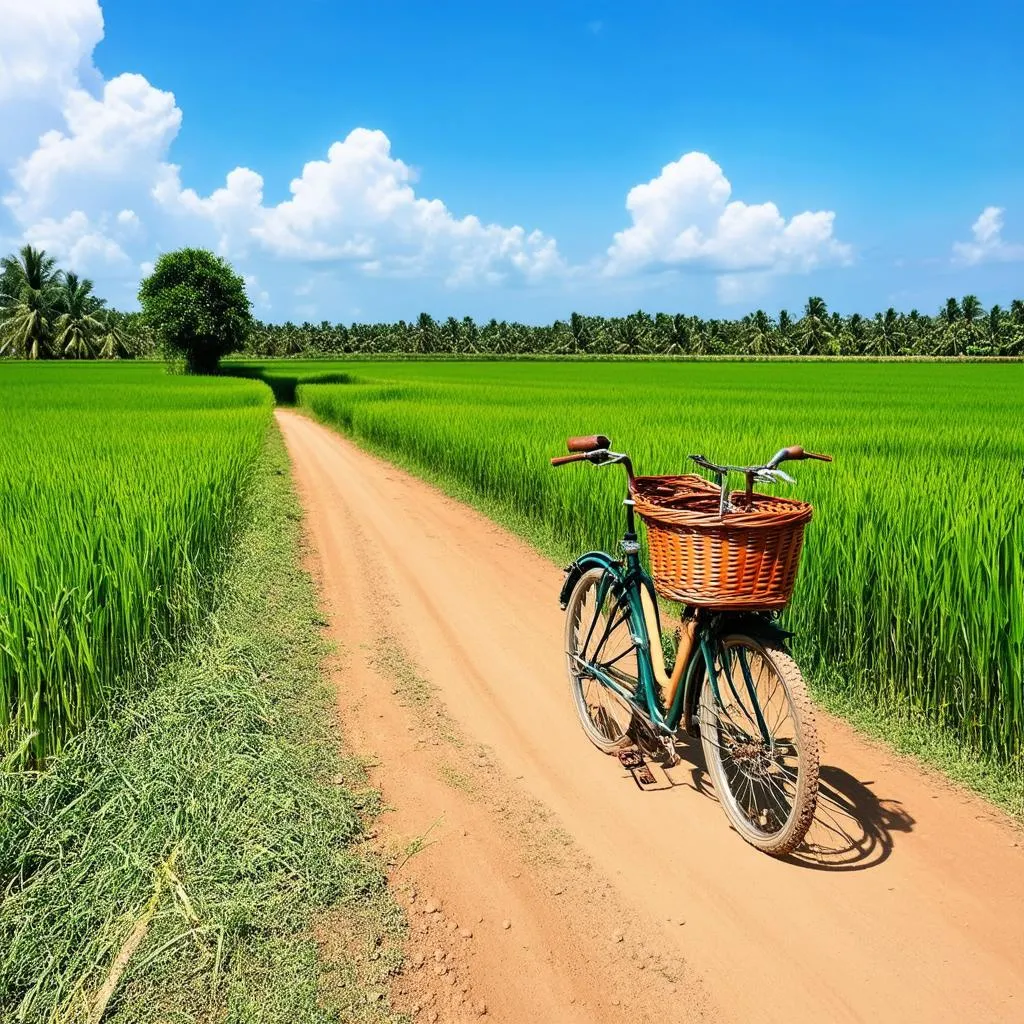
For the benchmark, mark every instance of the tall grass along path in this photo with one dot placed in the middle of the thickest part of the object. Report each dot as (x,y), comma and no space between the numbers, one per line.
(120,487)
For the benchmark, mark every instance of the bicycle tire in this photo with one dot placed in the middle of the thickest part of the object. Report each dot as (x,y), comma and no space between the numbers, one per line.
(753,785)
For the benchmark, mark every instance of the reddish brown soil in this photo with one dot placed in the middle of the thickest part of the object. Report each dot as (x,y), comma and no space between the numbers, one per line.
(586,899)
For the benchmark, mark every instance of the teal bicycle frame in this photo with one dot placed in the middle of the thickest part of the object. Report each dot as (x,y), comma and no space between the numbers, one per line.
(628,582)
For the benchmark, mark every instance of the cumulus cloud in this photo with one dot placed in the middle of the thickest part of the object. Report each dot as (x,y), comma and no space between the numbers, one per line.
(685,217)
(259,295)
(232,212)
(111,142)
(987,243)
(735,289)
(360,205)
(76,242)
(46,46)
(128,220)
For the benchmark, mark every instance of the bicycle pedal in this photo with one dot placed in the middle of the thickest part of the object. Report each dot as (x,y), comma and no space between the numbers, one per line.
(634,762)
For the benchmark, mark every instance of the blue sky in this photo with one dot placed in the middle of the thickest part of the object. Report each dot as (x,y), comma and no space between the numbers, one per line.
(699,157)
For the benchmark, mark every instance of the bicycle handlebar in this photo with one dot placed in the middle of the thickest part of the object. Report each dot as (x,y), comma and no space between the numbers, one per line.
(793,453)
(594,448)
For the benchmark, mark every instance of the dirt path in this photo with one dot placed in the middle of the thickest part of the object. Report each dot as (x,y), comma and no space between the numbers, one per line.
(642,906)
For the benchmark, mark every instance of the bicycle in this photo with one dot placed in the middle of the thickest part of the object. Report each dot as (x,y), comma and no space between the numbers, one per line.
(732,680)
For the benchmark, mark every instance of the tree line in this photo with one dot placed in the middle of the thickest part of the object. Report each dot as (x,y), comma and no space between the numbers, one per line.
(960,328)
(46,312)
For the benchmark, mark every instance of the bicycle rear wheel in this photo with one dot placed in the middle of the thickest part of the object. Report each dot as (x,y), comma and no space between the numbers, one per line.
(597,633)
(768,787)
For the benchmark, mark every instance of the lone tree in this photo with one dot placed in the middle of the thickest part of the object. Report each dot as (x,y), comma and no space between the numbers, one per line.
(196,306)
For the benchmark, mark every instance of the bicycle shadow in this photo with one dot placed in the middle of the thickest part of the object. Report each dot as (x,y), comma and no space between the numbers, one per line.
(853,828)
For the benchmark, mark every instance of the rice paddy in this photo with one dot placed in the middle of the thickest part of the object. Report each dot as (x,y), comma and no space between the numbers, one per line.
(912,575)
(120,488)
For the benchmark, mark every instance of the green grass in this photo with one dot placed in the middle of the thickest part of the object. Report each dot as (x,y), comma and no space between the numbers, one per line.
(911,594)
(210,803)
(120,487)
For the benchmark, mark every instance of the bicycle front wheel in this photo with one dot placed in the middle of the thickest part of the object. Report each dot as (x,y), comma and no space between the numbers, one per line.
(598,636)
(761,744)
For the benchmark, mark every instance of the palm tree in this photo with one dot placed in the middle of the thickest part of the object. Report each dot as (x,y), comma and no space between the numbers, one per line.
(757,334)
(785,331)
(950,335)
(10,279)
(814,330)
(856,328)
(886,341)
(426,336)
(30,302)
(1014,345)
(917,329)
(579,334)
(471,334)
(996,330)
(451,334)
(82,319)
(113,342)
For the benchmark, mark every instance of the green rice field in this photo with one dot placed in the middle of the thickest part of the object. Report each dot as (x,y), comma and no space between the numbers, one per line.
(912,577)
(120,488)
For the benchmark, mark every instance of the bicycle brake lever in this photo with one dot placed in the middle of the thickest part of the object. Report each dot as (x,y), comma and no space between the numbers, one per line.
(768,476)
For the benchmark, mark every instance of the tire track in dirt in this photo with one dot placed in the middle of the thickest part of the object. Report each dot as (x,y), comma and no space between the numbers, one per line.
(908,905)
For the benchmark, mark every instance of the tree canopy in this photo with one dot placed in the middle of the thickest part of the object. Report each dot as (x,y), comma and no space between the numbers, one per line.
(196,307)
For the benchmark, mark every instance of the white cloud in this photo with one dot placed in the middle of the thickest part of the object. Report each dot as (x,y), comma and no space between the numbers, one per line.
(45,46)
(736,289)
(684,217)
(987,244)
(359,205)
(232,211)
(77,243)
(260,296)
(111,142)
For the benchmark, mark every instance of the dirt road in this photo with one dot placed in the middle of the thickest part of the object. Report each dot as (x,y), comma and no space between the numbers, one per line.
(908,906)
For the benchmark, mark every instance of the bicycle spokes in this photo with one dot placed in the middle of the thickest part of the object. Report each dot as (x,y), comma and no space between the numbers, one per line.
(755,737)
(602,658)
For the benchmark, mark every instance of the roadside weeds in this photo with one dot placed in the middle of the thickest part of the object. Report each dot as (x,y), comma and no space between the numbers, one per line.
(184,859)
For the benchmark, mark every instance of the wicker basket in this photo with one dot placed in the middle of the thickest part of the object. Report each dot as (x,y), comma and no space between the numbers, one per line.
(745,559)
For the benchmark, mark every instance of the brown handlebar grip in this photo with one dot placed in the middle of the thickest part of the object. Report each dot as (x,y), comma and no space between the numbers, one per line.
(593,443)
(561,460)
(797,452)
